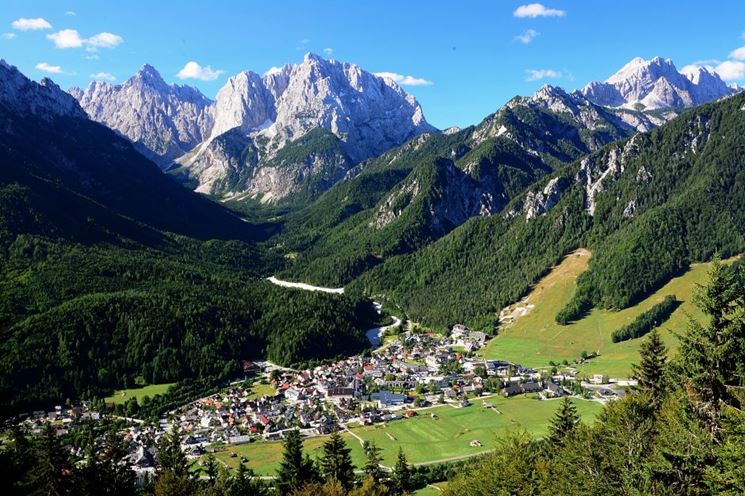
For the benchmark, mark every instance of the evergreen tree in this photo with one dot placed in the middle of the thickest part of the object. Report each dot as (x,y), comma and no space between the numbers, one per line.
(243,483)
(211,469)
(711,354)
(372,462)
(336,462)
(54,473)
(296,469)
(650,372)
(105,471)
(401,476)
(564,422)
(171,457)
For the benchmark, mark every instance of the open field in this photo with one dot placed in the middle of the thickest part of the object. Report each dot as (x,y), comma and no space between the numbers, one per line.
(423,438)
(264,457)
(258,390)
(122,395)
(535,338)
(432,489)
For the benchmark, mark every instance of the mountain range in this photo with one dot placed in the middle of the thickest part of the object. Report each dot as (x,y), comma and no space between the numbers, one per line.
(250,140)
(95,240)
(289,135)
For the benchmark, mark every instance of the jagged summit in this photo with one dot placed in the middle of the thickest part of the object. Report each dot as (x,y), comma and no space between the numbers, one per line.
(655,84)
(44,99)
(366,114)
(163,121)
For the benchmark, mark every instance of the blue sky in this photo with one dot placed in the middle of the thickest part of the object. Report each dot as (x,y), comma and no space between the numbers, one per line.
(475,54)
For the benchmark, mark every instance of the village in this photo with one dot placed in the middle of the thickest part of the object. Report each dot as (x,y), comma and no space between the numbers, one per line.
(404,378)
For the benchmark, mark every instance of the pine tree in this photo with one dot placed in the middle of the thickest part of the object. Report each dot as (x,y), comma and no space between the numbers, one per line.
(211,469)
(171,457)
(372,463)
(564,422)
(336,462)
(401,476)
(54,473)
(242,483)
(650,372)
(295,470)
(711,354)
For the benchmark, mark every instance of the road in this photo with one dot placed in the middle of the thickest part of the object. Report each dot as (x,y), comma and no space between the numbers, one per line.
(373,335)
(302,285)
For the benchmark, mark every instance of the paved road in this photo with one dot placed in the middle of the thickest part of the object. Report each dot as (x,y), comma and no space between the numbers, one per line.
(302,285)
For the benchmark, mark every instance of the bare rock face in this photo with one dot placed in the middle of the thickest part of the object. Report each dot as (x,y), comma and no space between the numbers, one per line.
(656,84)
(367,115)
(163,121)
(44,99)
(539,202)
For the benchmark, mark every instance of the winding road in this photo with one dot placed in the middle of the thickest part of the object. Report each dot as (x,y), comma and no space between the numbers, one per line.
(374,335)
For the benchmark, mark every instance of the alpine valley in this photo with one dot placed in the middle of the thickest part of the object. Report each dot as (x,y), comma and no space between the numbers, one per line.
(141,225)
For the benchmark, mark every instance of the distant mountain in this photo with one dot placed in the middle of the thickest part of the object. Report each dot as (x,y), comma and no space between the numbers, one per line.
(111,271)
(647,207)
(298,129)
(87,177)
(656,84)
(422,190)
(293,132)
(163,121)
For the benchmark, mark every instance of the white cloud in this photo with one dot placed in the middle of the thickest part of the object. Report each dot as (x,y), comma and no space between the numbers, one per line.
(103,76)
(8,36)
(527,36)
(193,70)
(328,52)
(402,80)
(70,38)
(104,40)
(67,38)
(24,24)
(304,41)
(537,10)
(538,74)
(53,69)
(71,13)
(731,70)
(92,56)
(273,70)
(738,54)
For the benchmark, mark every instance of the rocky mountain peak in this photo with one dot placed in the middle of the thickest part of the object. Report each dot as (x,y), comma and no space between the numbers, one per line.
(655,84)
(163,121)
(44,99)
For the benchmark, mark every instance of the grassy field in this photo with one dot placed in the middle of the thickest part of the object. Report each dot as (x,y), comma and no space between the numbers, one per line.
(122,395)
(264,457)
(424,438)
(258,390)
(431,490)
(535,338)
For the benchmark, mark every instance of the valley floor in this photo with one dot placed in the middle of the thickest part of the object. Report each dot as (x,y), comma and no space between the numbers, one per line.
(437,434)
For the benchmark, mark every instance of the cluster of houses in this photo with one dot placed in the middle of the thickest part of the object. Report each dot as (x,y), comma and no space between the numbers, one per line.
(416,371)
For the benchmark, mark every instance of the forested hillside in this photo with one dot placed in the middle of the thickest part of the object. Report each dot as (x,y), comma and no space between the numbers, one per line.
(419,192)
(647,207)
(110,271)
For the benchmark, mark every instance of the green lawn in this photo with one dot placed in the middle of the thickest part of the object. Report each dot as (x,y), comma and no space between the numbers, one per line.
(258,390)
(535,339)
(264,457)
(122,395)
(431,491)
(423,438)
